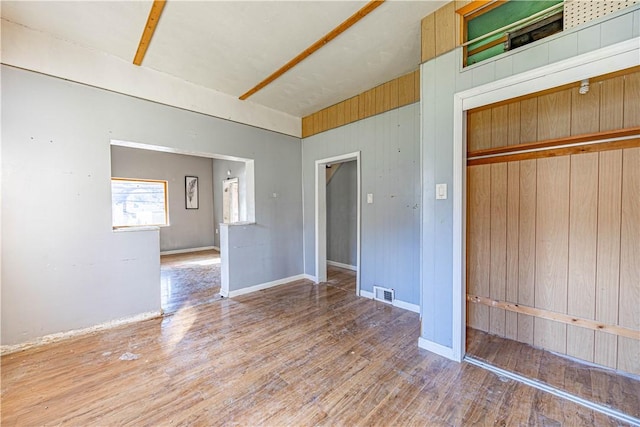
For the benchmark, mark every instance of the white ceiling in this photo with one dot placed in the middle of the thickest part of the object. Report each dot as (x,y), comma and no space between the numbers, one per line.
(230,46)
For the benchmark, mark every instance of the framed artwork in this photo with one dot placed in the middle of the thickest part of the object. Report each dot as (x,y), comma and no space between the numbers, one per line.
(191,192)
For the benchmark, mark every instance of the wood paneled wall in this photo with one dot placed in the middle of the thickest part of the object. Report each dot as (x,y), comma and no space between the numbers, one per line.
(393,94)
(554,242)
(611,103)
(440,31)
(560,234)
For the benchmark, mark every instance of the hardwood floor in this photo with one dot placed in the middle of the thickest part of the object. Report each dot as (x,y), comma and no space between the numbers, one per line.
(596,384)
(189,279)
(297,354)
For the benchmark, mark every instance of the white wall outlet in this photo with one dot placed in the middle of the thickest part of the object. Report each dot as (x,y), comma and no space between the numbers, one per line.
(441,191)
(369,198)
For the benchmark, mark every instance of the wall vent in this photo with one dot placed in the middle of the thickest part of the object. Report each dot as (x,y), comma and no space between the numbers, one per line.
(383,294)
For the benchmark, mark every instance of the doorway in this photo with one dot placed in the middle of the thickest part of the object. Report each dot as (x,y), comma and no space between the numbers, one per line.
(321,214)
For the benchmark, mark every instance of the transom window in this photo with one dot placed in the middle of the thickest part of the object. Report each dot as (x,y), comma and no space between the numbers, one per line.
(138,202)
(494,27)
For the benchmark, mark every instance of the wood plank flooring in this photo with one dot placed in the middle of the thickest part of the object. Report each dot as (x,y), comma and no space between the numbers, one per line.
(297,354)
(189,279)
(599,385)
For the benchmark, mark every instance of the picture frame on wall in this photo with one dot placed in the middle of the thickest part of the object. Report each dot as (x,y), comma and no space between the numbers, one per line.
(191,192)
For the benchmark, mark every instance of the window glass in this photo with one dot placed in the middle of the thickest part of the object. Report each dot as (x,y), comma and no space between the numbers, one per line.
(479,24)
(137,202)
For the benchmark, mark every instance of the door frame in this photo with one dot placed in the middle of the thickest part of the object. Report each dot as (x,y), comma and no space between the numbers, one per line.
(598,62)
(321,214)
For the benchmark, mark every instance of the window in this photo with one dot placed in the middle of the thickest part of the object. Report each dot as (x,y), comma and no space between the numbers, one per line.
(137,202)
(494,27)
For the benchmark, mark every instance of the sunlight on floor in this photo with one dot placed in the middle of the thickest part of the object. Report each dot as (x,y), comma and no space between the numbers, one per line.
(177,328)
(203,262)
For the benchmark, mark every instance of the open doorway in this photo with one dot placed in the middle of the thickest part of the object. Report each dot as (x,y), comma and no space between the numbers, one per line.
(544,224)
(340,246)
(191,256)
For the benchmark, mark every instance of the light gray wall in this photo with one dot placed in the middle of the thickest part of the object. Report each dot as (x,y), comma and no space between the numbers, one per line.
(390,169)
(342,214)
(63,267)
(441,78)
(189,228)
(220,168)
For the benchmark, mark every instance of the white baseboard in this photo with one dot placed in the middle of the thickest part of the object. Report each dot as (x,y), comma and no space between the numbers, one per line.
(267,285)
(186,251)
(60,336)
(407,306)
(366,294)
(341,265)
(436,348)
(310,277)
(396,303)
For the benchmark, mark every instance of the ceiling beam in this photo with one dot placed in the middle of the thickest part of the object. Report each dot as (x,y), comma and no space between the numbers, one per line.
(149,29)
(364,11)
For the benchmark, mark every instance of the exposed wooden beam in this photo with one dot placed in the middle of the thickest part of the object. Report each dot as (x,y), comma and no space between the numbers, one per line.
(149,29)
(364,11)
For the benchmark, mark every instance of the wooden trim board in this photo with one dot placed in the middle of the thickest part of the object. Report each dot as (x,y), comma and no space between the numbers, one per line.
(152,22)
(557,151)
(353,19)
(557,317)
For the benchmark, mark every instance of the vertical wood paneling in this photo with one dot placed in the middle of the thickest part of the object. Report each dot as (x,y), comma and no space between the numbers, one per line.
(513,213)
(632,100)
(428,37)
(445,18)
(608,254)
(585,111)
(552,234)
(324,120)
(611,103)
(369,102)
(361,106)
(583,230)
(379,99)
(500,126)
(390,95)
(406,89)
(317,122)
(498,237)
(332,117)
(393,94)
(554,115)
(514,124)
(307,126)
(479,125)
(527,247)
(340,113)
(629,314)
(571,236)
(529,120)
(478,251)
(347,111)
(355,108)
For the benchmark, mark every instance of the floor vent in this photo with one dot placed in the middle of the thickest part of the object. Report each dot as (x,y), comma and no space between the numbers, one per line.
(383,294)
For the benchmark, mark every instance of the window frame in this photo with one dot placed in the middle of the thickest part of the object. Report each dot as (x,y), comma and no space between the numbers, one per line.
(472,11)
(165,185)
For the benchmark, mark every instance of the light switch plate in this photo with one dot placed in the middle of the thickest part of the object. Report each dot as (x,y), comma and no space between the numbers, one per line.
(441,191)
(369,198)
